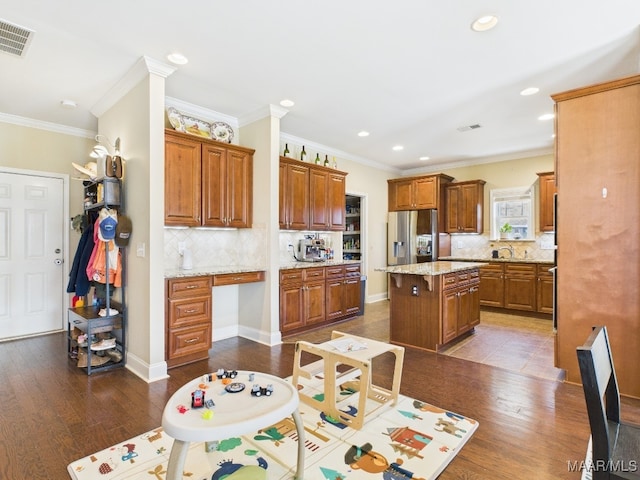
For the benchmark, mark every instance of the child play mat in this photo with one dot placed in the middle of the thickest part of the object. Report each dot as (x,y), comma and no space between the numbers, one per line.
(411,439)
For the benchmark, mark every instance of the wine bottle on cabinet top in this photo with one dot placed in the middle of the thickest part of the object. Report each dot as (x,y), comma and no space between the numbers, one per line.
(335,164)
(326,160)
(317,159)
(286,150)
(303,155)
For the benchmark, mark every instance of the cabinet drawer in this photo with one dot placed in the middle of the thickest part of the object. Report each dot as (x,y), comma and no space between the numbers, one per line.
(335,271)
(291,276)
(449,280)
(188,287)
(234,278)
(189,340)
(313,274)
(543,269)
(352,270)
(189,311)
(520,269)
(493,267)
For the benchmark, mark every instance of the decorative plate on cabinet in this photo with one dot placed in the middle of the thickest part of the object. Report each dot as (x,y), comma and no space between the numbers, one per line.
(175,119)
(197,127)
(222,132)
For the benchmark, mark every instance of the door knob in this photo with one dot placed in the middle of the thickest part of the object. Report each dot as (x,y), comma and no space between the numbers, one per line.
(58,261)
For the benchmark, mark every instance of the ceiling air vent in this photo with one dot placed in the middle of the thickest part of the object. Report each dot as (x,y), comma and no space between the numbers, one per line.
(14,39)
(469,127)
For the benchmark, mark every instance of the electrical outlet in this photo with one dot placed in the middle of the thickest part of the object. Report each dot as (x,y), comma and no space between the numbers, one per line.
(460,244)
(181,247)
(414,290)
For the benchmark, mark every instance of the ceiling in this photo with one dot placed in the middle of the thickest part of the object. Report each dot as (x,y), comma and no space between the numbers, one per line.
(410,72)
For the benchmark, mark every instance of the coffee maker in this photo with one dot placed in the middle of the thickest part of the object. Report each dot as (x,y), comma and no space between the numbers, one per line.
(311,250)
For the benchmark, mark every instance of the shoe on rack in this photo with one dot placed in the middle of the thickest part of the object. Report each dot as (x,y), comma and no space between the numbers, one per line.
(104,344)
(115,355)
(112,312)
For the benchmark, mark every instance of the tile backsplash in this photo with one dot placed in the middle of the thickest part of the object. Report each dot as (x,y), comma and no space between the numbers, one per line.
(480,246)
(235,247)
(216,247)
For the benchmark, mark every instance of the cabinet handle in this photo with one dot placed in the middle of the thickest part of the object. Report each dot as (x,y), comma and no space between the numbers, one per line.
(191,286)
(192,340)
(190,311)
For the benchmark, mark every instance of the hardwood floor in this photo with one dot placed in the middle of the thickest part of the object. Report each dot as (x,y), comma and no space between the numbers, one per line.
(52,413)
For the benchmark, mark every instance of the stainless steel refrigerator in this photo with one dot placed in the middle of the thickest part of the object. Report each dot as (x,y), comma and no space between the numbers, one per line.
(412,237)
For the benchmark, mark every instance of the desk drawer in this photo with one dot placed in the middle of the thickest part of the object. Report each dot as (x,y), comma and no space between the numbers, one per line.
(188,287)
(335,271)
(189,311)
(313,274)
(235,278)
(189,340)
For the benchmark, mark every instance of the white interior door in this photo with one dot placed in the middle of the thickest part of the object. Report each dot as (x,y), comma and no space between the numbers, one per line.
(31,254)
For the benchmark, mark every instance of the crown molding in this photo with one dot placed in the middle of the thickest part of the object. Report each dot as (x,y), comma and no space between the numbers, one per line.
(143,67)
(48,126)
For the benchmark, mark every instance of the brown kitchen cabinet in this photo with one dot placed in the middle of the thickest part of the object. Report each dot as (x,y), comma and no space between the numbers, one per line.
(302,297)
(343,291)
(517,285)
(597,171)
(429,311)
(188,320)
(520,286)
(460,303)
(416,193)
(294,196)
(312,197)
(318,295)
(464,206)
(207,183)
(547,187)
(544,289)
(492,285)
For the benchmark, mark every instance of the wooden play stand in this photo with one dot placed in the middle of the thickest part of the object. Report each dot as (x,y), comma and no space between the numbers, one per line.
(338,364)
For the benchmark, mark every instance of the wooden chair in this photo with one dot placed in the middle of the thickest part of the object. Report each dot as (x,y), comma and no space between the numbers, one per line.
(615,445)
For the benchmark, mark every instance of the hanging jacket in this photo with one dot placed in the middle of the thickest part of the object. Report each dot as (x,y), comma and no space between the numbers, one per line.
(78,280)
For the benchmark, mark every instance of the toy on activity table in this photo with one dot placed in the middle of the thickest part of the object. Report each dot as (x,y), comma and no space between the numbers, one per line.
(222,373)
(197,399)
(258,391)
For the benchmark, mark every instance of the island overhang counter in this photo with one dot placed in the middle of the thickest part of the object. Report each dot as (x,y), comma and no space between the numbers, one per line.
(432,303)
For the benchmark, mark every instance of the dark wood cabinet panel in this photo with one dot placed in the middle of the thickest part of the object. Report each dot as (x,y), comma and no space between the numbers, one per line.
(188,320)
(417,193)
(182,187)
(312,197)
(544,288)
(207,183)
(465,206)
(547,188)
(328,294)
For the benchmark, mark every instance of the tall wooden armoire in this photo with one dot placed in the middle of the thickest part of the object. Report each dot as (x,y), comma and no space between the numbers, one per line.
(598,224)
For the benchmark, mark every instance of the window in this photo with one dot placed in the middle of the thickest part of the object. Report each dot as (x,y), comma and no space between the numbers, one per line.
(512,213)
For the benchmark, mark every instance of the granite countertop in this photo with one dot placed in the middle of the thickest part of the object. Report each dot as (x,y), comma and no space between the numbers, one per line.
(431,268)
(203,271)
(328,263)
(491,259)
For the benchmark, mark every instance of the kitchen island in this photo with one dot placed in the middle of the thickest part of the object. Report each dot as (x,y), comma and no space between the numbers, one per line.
(433,303)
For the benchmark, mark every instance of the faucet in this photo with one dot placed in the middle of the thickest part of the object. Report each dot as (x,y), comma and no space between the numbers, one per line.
(510,248)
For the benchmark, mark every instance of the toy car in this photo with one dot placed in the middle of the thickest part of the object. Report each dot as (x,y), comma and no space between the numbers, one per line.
(197,399)
(222,373)
(258,391)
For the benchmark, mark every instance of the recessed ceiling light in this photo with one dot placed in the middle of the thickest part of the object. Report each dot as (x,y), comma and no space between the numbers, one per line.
(484,23)
(546,116)
(177,58)
(424,158)
(287,103)
(397,148)
(68,104)
(363,133)
(529,91)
